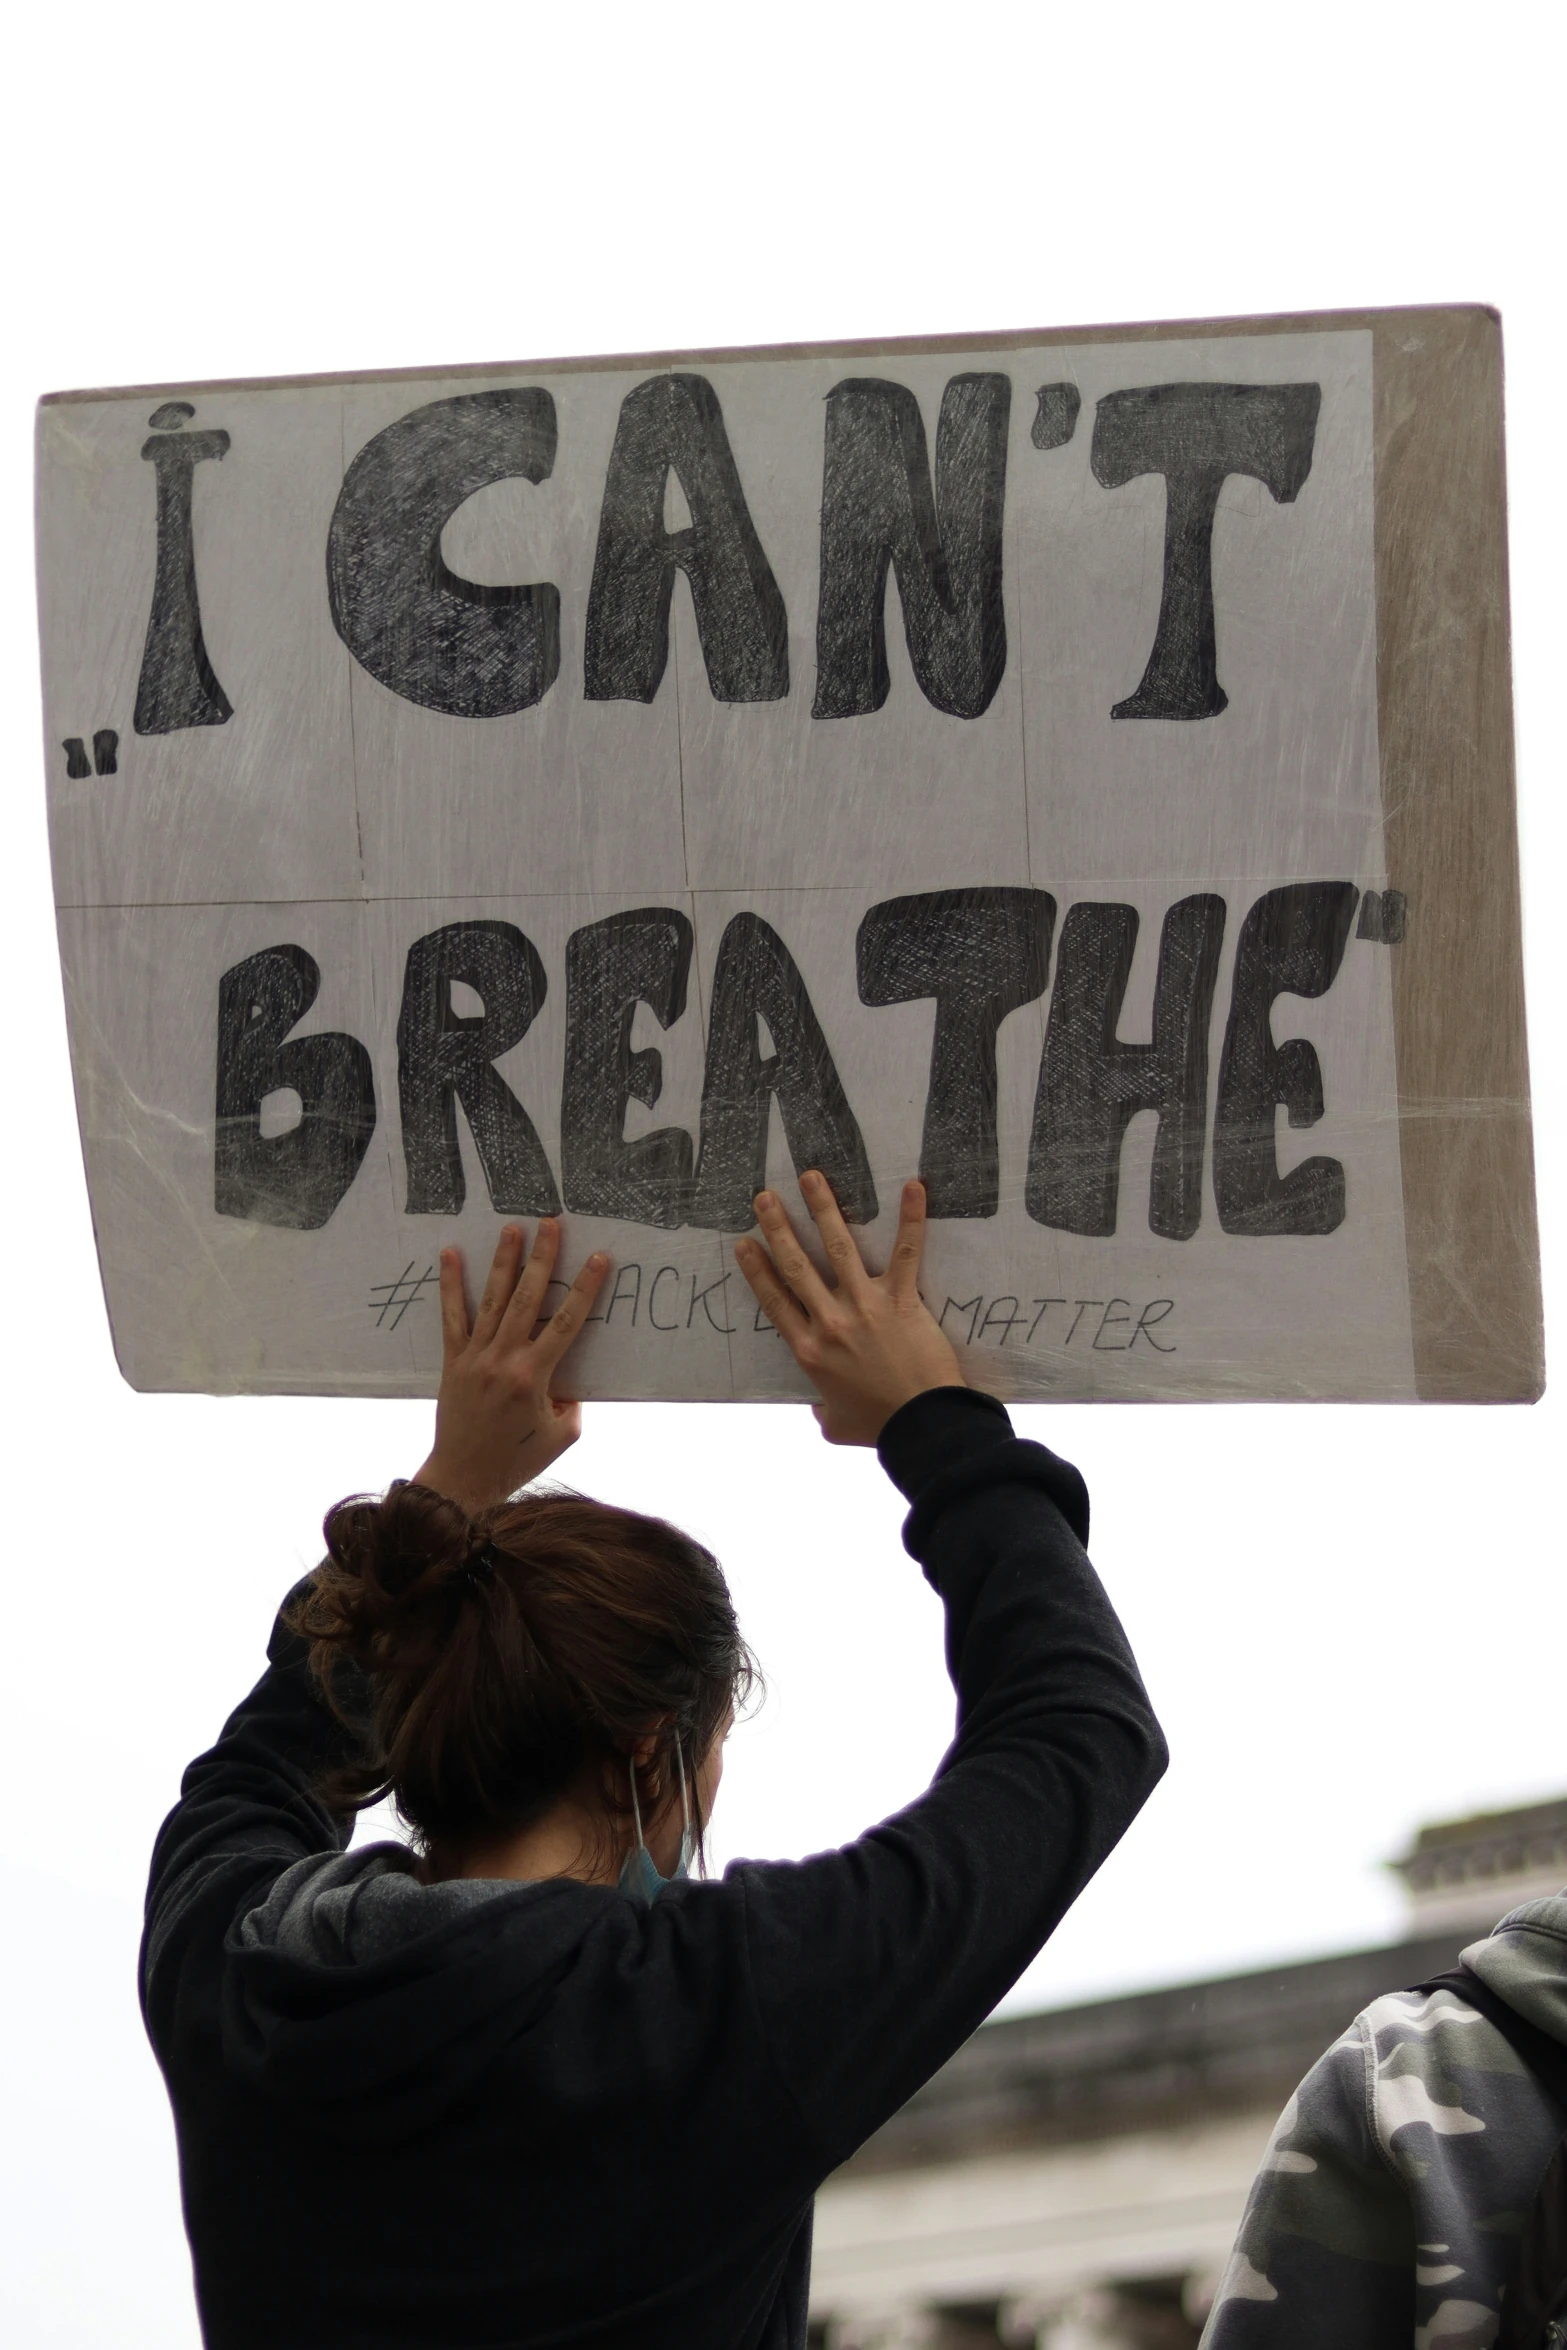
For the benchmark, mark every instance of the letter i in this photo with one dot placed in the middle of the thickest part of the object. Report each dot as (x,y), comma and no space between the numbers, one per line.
(177,687)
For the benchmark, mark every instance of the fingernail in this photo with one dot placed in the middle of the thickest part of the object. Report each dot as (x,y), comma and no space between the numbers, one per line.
(764,1201)
(598,1260)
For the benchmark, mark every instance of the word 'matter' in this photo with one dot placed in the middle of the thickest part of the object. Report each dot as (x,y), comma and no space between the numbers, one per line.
(978,954)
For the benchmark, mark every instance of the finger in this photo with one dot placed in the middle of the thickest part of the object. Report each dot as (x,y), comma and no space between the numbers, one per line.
(782,1310)
(790,1258)
(499,1286)
(454,1306)
(842,1254)
(903,1266)
(568,1318)
(528,1297)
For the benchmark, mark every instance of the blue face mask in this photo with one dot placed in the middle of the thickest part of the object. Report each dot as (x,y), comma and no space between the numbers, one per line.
(639,1875)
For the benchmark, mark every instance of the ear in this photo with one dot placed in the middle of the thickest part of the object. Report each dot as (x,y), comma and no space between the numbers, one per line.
(644,1750)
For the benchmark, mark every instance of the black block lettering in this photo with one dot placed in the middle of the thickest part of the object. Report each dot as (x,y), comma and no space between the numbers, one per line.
(1291,943)
(1196,435)
(405,615)
(294,1179)
(878,510)
(177,686)
(1055,419)
(444,1058)
(756,977)
(1091,1085)
(612,966)
(981,953)
(673,424)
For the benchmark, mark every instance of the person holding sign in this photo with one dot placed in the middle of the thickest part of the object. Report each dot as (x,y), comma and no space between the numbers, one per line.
(528,2082)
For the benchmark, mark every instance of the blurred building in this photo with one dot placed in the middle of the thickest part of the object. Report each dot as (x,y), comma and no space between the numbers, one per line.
(1073,2180)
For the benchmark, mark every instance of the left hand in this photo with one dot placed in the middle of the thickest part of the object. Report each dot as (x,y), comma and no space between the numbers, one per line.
(497,1426)
(867,1346)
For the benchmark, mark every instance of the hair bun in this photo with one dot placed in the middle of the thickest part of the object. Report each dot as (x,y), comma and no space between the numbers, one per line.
(504,1654)
(396,1560)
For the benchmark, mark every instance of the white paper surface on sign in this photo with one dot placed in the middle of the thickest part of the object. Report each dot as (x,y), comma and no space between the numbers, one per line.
(602,787)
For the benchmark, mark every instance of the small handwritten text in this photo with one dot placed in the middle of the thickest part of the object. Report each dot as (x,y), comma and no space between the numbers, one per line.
(393,1298)
(1107,1325)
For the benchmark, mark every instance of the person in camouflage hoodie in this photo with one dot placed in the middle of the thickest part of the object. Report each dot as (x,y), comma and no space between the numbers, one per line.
(1387,2212)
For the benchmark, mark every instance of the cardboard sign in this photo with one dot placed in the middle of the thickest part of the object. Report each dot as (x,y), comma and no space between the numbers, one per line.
(1076,767)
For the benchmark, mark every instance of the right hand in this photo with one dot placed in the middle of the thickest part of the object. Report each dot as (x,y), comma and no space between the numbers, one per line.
(868,1345)
(497,1425)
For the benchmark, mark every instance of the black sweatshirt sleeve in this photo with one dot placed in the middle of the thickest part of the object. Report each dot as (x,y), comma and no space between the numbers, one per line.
(874,1963)
(248,1809)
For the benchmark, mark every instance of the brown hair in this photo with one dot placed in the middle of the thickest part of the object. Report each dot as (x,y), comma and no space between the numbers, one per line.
(506,1652)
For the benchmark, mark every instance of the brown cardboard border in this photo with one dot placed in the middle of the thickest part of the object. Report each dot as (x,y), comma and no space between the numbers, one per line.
(1444,698)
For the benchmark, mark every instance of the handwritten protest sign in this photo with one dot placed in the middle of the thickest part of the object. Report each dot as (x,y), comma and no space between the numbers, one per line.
(1076,767)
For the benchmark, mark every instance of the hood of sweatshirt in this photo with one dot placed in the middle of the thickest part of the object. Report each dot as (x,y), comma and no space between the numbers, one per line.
(376,2001)
(1524,1961)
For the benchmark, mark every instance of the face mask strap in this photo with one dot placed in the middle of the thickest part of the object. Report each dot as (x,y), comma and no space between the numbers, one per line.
(636,1808)
(640,1872)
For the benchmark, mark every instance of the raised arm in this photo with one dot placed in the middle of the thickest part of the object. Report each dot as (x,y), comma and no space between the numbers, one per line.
(874,1963)
(249,1807)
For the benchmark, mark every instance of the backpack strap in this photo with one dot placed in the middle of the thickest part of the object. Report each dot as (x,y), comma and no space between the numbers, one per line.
(1534,2304)
(1545,2057)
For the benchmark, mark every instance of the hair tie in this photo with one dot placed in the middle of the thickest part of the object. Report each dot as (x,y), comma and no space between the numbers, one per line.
(478,1568)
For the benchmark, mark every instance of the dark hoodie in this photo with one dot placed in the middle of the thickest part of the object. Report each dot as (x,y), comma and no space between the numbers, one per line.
(526,2114)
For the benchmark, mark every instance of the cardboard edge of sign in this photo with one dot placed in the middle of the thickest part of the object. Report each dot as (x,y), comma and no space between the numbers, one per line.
(1445,723)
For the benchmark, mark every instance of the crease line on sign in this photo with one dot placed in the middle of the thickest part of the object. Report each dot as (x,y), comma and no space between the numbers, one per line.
(510,897)
(719,1238)
(1022,737)
(1040,1001)
(395,1234)
(692,895)
(366,901)
(649,890)
(353,732)
(680,744)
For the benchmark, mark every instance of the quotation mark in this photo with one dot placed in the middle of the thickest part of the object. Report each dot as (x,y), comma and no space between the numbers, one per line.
(105,754)
(1383,915)
(395,1297)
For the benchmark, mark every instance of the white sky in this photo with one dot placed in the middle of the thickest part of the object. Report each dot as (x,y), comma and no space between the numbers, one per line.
(1351,1620)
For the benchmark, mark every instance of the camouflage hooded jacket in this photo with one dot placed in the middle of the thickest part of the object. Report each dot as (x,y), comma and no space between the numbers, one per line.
(1387,2211)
